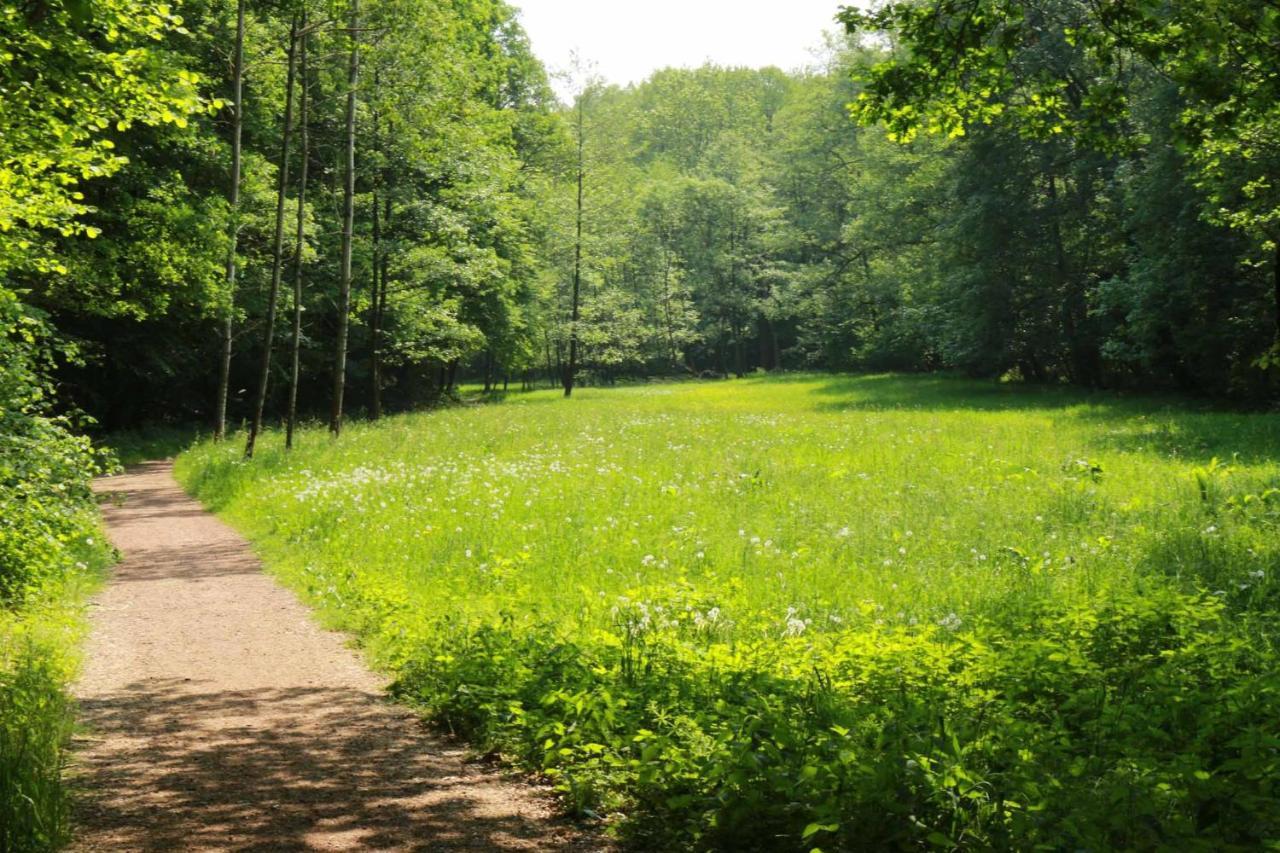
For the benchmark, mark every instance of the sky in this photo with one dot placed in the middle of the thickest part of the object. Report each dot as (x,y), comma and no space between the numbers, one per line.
(627,41)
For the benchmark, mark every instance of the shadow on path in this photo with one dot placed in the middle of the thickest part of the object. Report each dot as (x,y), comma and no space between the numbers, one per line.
(281,769)
(216,714)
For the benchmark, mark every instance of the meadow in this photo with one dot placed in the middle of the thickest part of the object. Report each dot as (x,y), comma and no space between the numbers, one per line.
(815,612)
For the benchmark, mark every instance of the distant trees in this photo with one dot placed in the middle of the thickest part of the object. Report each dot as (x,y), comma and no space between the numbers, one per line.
(1029,238)
(1080,72)
(1096,207)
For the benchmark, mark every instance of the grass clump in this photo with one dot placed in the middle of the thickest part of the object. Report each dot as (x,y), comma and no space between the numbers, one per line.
(39,645)
(817,612)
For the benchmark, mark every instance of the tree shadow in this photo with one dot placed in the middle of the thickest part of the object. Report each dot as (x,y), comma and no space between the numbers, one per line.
(169,765)
(949,393)
(1192,430)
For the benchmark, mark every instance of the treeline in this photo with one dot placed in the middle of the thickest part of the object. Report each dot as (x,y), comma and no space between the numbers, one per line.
(414,208)
(738,220)
(358,192)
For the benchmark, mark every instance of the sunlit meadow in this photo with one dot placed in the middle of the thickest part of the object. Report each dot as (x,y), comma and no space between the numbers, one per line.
(688,540)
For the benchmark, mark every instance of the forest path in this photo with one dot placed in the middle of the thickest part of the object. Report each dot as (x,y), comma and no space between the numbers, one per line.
(217,715)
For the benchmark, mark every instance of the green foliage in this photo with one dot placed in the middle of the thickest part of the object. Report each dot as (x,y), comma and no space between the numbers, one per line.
(72,75)
(1015,241)
(817,612)
(45,507)
(49,541)
(38,656)
(1079,74)
(35,728)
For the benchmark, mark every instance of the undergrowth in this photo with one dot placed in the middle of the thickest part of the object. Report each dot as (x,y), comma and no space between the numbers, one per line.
(51,549)
(39,656)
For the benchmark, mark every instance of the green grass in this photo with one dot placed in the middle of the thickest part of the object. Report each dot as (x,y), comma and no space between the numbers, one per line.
(817,611)
(39,656)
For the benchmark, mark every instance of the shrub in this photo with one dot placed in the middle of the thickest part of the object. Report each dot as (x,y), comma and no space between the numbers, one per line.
(1121,723)
(48,538)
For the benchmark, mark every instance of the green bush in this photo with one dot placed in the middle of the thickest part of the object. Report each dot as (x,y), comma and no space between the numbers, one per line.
(49,540)
(1129,723)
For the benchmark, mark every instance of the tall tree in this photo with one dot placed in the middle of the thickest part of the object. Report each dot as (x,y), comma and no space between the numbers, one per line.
(580,137)
(277,245)
(233,195)
(304,155)
(348,225)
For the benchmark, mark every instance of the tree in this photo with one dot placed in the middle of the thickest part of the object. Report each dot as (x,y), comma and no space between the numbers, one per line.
(277,252)
(348,225)
(966,62)
(304,155)
(233,196)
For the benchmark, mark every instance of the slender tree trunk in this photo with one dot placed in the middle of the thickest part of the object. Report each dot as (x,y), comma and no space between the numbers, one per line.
(300,236)
(277,246)
(348,228)
(379,301)
(1074,311)
(773,346)
(669,321)
(720,344)
(1275,272)
(224,370)
(739,354)
(571,371)
(375,390)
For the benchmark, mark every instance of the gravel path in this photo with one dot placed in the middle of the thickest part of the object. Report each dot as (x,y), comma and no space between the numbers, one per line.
(218,715)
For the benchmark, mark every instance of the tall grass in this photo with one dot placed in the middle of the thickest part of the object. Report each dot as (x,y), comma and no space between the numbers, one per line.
(39,644)
(788,613)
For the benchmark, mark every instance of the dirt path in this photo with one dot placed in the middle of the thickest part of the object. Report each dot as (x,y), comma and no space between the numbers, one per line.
(218,715)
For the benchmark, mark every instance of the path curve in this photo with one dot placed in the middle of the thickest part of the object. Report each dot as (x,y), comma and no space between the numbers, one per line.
(218,715)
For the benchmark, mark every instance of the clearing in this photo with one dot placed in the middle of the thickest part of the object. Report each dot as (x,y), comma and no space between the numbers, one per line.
(827,612)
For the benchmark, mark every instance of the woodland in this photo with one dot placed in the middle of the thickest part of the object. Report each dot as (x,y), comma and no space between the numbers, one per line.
(266,224)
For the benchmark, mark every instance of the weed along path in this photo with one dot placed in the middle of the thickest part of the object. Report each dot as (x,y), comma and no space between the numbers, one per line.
(217,715)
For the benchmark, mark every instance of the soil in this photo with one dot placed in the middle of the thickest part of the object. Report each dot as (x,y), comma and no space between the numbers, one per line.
(216,714)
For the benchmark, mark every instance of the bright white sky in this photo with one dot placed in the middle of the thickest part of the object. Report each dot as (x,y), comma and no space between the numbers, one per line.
(630,39)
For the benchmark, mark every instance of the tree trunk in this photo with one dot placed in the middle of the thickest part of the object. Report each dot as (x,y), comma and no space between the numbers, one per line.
(672,350)
(377,292)
(237,126)
(375,396)
(277,246)
(380,310)
(300,236)
(775,352)
(572,369)
(1276,274)
(348,228)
